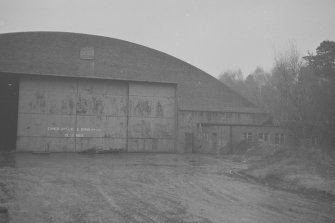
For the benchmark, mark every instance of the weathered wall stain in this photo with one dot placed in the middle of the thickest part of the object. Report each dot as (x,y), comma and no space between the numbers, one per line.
(124,108)
(145,129)
(159,110)
(67,104)
(97,106)
(40,100)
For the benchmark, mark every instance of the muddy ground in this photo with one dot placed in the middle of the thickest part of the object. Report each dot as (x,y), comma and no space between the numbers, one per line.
(144,188)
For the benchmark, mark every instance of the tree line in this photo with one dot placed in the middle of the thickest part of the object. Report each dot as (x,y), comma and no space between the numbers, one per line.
(299,92)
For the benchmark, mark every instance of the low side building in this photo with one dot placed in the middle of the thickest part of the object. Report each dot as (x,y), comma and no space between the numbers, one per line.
(69,92)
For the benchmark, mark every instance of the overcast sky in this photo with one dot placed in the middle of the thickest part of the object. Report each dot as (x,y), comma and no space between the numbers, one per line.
(213,35)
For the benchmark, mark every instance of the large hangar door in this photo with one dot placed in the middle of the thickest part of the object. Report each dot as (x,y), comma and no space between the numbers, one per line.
(101,115)
(151,124)
(47,119)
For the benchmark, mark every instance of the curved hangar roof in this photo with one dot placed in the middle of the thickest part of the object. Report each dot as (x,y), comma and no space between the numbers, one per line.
(81,55)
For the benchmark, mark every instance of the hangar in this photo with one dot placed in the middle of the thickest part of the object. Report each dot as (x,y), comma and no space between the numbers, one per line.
(70,92)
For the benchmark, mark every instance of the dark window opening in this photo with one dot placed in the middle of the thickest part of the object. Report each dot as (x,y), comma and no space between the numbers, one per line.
(9,94)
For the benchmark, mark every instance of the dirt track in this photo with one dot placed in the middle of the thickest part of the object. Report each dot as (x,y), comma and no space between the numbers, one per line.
(143,188)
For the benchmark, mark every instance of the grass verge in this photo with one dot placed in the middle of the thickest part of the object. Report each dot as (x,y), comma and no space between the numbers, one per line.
(307,170)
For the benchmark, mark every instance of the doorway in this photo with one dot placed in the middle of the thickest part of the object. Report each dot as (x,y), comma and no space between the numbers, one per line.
(9,94)
(189,142)
(214,143)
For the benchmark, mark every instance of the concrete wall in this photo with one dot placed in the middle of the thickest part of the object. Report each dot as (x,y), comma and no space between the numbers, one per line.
(72,115)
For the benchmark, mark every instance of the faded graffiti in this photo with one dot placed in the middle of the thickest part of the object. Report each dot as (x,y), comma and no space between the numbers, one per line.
(97,106)
(82,105)
(143,108)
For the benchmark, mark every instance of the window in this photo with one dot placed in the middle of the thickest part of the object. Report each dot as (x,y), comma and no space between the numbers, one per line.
(205,136)
(279,139)
(214,117)
(238,116)
(222,117)
(229,115)
(263,137)
(247,136)
(194,115)
(200,116)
